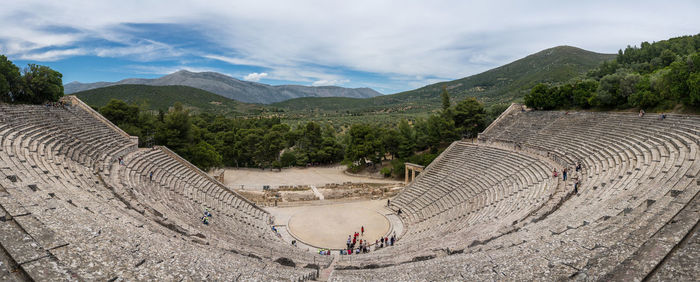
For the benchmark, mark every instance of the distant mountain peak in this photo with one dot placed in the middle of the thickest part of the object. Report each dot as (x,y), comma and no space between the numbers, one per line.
(233,88)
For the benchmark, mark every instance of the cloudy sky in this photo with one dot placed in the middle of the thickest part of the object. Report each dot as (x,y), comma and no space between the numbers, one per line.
(390,46)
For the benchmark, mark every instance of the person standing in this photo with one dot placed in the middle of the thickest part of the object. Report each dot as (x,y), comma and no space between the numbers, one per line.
(362,229)
(563,174)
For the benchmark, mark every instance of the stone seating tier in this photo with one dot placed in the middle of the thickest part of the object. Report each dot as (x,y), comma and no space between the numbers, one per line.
(638,199)
(64,220)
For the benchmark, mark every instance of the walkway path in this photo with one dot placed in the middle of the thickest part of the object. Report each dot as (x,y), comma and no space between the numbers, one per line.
(316,192)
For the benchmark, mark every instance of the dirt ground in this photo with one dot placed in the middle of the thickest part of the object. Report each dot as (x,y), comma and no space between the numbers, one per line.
(328,226)
(254,179)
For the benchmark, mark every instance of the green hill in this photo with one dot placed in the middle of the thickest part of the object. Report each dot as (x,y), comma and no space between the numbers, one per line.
(163,97)
(500,85)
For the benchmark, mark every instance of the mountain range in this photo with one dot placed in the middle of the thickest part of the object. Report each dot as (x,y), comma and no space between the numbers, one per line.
(500,85)
(503,84)
(229,87)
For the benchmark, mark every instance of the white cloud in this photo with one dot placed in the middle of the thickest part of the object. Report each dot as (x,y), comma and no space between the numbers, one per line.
(234,61)
(52,55)
(306,41)
(333,82)
(255,77)
(147,69)
(143,50)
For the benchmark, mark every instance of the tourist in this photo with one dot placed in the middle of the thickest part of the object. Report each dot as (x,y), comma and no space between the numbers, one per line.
(578,166)
(641,112)
(392,240)
(150,176)
(388,202)
(349,240)
(563,174)
(576,184)
(362,229)
(399,212)
(662,116)
(554,173)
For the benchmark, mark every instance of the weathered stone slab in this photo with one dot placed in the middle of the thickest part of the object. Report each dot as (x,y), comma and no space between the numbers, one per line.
(12,207)
(48,269)
(42,234)
(21,247)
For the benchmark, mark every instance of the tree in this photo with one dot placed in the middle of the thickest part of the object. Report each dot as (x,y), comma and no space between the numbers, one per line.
(608,93)
(364,143)
(407,139)
(470,117)
(10,80)
(176,130)
(40,84)
(667,57)
(288,158)
(539,98)
(119,112)
(392,141)
(331,150)
(203,155)
(583,93)
(309,142)
(694,87)
(272,143)
(439,130)
(445,99)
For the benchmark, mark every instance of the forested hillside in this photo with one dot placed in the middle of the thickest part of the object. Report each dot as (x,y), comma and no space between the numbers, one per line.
(504,84)
(658,76)
(163,97)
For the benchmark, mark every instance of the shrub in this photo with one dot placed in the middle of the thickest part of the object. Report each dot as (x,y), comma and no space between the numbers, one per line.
(386,171)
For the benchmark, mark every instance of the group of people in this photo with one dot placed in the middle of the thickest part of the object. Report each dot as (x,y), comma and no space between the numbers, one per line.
(353,239)
(58,104)
(385,241)
(565,175)
(206,217)
(662,116)
(355,244)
